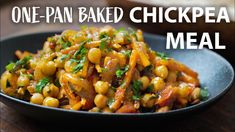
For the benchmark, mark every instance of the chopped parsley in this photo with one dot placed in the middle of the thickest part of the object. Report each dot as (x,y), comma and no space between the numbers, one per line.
(132,32)
(10,66)
(66,45)
(57,83)
(103,35)
(41,84)
(120,72)
(150,88)
(204,94)
(60,41)
(104,43)
(136,89)
(110,102)
(30,76)
(82,51)
(126,53)
(63,43)
(63,57)
(162,55)
(104,69)
(19,64)
(80,64)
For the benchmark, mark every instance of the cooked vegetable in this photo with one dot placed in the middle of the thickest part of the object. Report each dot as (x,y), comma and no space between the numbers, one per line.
(120,72)
(51,102)
(37,98)
(19,64)
(102,70)
(100,101)
(204,94)
(94,55)
(136,89)
(41,84)
(50,91)
(101,87)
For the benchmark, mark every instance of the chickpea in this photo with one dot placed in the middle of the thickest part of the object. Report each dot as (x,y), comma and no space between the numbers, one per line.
(107,110)
(36,98)
(147,100)
(163,109)
(94,109)
(23,81)
(38,75)
(100,101)
(49,68)
(145,82)
(59,62)
(101,87)
(195,94)
(50,91)
(94,55)
(31,89)
(110,93)
(68,66)
(158,84)
(161,71)
(51,102)
(184,90)
(8,83)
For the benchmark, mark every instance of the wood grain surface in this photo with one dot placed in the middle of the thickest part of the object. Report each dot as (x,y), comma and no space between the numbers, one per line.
(218,118)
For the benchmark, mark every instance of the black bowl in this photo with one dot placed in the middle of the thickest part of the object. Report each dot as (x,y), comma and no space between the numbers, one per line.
(215,73)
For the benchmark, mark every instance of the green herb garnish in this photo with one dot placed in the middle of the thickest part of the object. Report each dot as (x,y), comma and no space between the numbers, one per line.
(63,57)
(150,88)
(120,72)
(19,64)
(103,35)
(66,45)
(126,53)
(133,33)
(136,89)
(80,64)
(30,76)
(204,94)
(110,102)
(57,83)
(104,43)
(10,66)
(41,84)
(162,55)
(82,51)
(63,43)
(60,41)
(104,69)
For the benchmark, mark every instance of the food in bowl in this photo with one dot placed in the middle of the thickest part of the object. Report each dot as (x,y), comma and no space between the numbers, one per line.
(102,70)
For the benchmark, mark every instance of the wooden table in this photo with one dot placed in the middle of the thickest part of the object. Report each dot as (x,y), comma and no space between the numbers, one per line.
(220,117)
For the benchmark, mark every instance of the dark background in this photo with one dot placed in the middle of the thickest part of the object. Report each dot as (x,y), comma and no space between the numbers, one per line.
(220,117)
